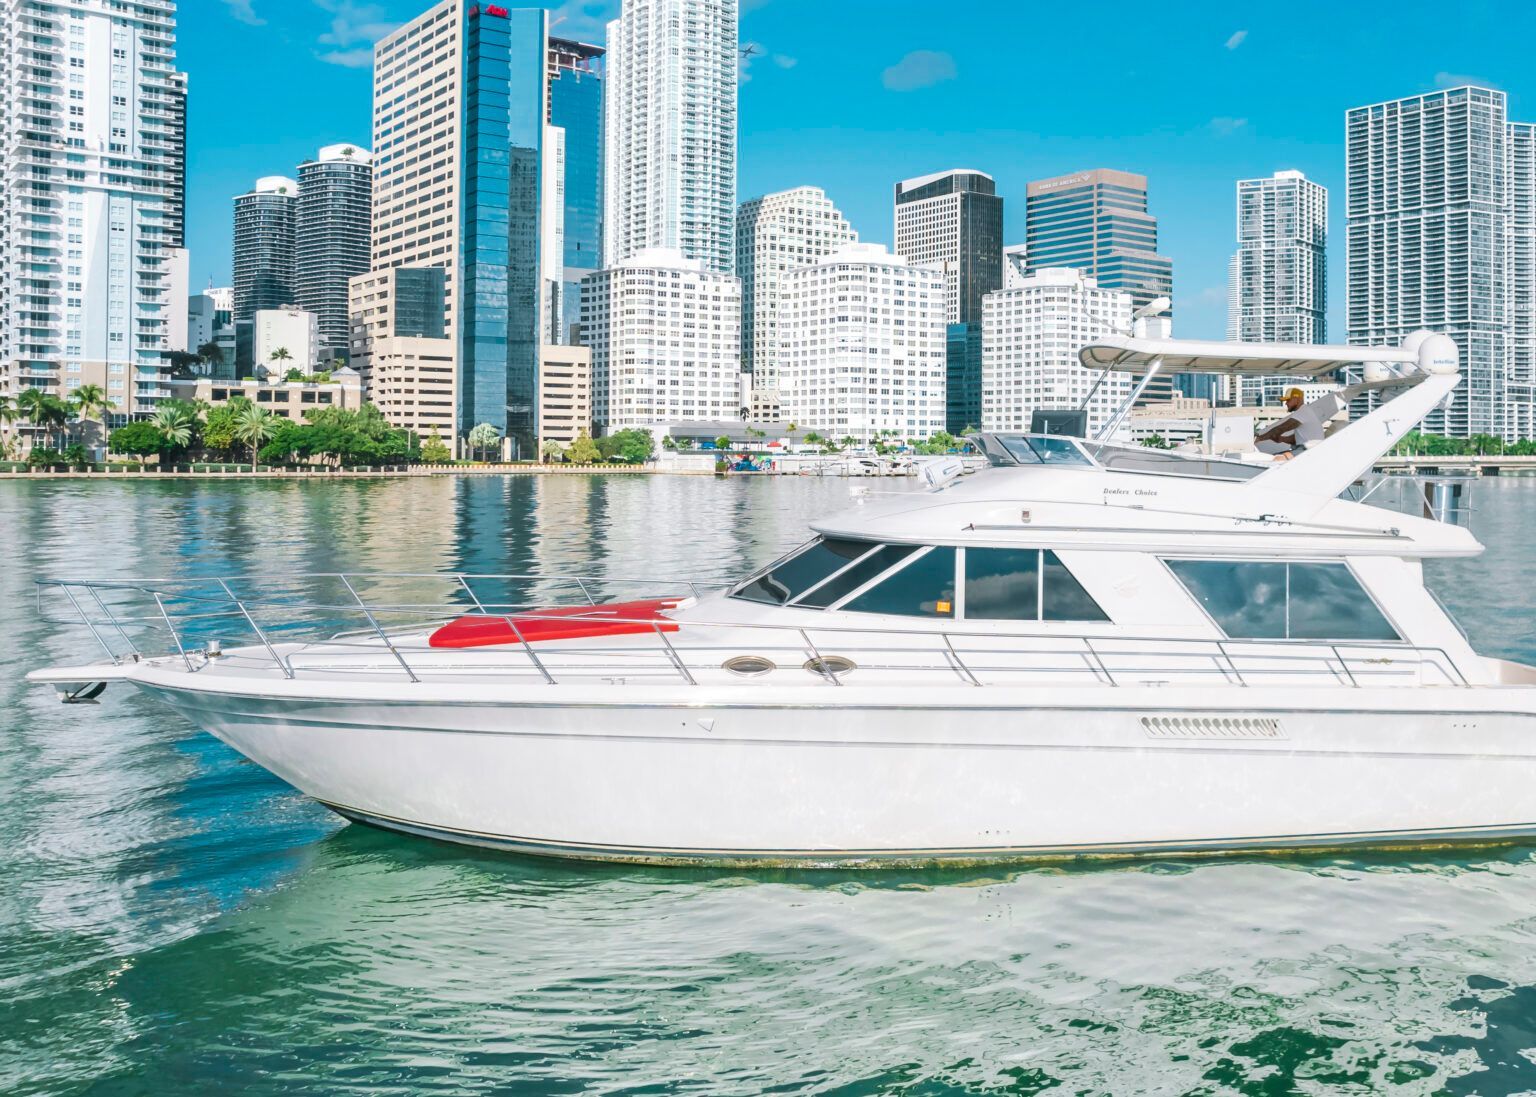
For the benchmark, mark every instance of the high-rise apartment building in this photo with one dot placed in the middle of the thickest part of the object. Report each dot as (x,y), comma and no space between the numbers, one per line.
(955,219)
(460,120)
(665,334)
(1520,385)
(332,235)
(1277,280)
(775,234)
(861,338)
(576,109)
(264,246)
(92,196)
(1031,333)
(670,117)
(1428,236)
(1280,288)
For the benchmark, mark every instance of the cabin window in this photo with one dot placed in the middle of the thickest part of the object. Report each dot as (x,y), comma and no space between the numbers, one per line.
(925,587)
(802,570)
(1024,585)
(852,578)
(1270,600)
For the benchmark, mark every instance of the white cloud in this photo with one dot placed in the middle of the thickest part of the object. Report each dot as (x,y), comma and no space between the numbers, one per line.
(242,11)
(1461,80)
(1226,127)
(355,27)
(1237,39)
(919,69)
(784,61)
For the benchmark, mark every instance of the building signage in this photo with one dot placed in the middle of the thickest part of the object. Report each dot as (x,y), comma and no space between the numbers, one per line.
(494,10)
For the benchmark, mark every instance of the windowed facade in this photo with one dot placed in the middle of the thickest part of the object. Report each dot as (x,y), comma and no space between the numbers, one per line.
(1275,600)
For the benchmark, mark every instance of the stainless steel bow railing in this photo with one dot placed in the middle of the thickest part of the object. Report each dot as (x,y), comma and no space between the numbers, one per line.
(189,619)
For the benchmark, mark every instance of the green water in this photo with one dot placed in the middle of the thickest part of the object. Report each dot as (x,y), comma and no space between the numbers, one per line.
(175,921)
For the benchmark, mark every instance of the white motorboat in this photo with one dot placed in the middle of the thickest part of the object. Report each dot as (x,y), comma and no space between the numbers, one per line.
(1085,648)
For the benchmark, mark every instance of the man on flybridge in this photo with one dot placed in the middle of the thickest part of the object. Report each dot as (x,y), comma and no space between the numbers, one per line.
(1303,427)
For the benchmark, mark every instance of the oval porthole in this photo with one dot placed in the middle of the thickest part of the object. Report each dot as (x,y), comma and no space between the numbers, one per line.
(830,666)
(749,666)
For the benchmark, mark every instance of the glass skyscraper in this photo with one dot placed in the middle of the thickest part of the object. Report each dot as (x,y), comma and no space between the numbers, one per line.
(264,246)
(1097,221)
(576,106)
(501,154)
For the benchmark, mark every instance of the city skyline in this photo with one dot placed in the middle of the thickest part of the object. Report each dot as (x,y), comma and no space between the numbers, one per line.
(1239,112)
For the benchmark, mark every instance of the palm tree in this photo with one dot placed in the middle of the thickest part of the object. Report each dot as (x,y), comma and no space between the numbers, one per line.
(211,353)
(174,425)
(91,402)
(253,426)
(8,415)
(45,410)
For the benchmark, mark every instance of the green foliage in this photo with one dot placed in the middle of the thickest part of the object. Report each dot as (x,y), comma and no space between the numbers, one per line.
(434,451)
(722,442)
(361,437)
(294,374)
(483,437)
(634,446)
(219,428)
(41,458)
(1156,441)
(584,451)
(253,426)
(176,420)
(1416,444)
(140,438)
(551,450)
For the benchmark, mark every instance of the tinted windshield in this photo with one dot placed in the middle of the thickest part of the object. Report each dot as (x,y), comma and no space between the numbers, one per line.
(798,573)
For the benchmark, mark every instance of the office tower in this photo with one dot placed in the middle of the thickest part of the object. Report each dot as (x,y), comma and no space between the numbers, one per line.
(1031,333)
(1520,386)
(1428,237)
(775,234)
(1097,221)
(332,235)
(670,117)
(460,114)
(955,219)
(264,246)
(861,346)
(576,109)
(92,149)
(1277,280)
(565,394)
(401,349)
(665,333)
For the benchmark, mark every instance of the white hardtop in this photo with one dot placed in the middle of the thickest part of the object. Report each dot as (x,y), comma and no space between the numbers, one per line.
(1077,493)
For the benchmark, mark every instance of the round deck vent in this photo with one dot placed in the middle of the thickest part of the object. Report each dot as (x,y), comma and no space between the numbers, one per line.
(830,666)
(749,666)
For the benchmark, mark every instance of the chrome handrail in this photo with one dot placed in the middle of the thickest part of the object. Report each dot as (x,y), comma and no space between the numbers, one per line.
(178,603)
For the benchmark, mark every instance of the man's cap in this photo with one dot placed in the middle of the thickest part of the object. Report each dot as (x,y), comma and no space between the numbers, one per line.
(1296,393)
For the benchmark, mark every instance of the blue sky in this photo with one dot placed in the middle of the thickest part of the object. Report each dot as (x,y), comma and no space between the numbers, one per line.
(852,95)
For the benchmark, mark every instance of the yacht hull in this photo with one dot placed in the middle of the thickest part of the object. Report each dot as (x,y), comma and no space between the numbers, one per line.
(608,773)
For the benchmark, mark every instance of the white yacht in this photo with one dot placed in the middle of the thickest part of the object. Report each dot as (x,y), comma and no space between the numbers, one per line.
(1084,648)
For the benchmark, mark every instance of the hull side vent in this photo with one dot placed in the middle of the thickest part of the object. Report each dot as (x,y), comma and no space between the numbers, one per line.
(1213,727)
